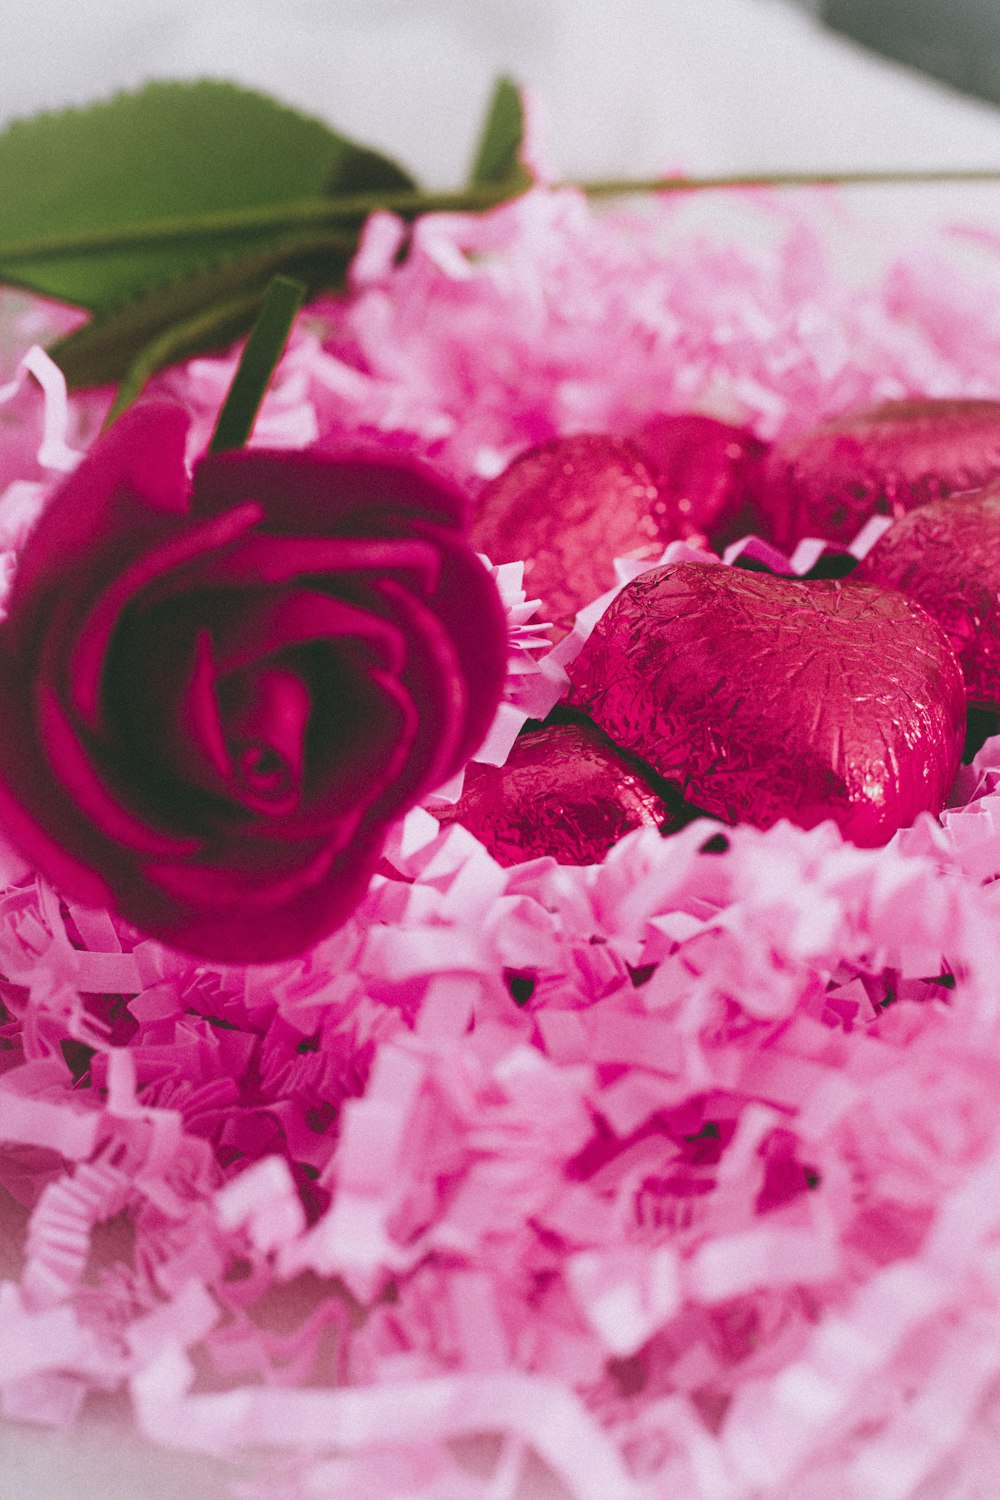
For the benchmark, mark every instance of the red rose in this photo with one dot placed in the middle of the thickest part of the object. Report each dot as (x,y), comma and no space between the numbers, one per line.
(216,694)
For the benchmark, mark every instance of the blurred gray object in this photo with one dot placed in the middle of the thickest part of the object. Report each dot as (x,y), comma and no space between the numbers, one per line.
(957,41)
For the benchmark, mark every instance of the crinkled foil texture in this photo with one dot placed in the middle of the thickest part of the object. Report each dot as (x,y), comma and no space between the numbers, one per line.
(708,473)
(565,791)
(946,555)
(568,508)
(883,460)
(764,698)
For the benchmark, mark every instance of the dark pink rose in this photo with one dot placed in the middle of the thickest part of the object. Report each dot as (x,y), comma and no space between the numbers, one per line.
(216,694)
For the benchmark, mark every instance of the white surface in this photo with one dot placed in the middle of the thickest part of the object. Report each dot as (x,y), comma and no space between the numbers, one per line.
(633,84)
(629,86)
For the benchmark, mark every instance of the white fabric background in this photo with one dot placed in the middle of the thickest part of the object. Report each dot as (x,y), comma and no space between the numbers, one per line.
(628,86)
(640,84)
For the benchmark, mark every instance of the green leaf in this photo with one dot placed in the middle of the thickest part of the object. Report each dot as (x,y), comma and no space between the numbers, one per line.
(172,151)
(498,156)
(363,171)
(263,350)
(108,346)
(211,328)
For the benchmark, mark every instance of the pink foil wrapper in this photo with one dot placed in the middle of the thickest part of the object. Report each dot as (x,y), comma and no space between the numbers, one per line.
(881,460)
(708,476)
(946,555)
(565,791)
(569,508)
(764,698)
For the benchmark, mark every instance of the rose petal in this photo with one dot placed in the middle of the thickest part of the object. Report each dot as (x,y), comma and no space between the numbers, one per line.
(198,721)
(71,875)
(135,472)
(161,706)
(263,930)
(78,878)
(171,701)
(268,560)
(342,489)
(361,738)
(435,685)
(76,770)
(353,762)
(90,651)
(215,888)
(468,607)
(266,714)
(258,628)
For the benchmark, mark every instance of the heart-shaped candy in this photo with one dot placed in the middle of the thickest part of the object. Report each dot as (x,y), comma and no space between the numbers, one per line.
(568,508)
(565,791)
(946,555)
(763,698)
(883,460)
(708,475)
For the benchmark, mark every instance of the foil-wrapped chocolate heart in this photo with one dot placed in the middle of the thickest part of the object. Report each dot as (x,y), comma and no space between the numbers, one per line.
(708,476)
(946,555)
(763,698)
(568,508)
(883,460)
(565,791)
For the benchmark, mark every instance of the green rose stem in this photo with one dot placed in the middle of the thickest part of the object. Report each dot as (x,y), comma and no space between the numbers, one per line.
(261,353)
(216,325)
(314,237)
(165,213)
(354,208)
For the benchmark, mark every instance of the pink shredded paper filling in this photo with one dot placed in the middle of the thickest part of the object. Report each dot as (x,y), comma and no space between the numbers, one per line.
(677,1175)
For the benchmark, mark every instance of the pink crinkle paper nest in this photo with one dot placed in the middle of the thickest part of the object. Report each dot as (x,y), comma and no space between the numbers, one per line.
(675,1177)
